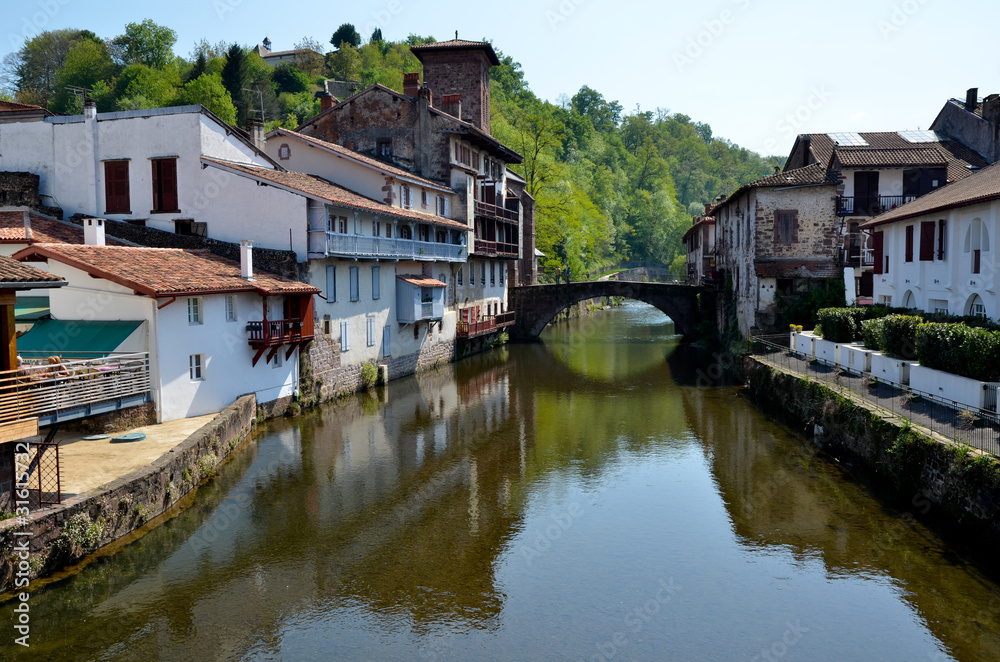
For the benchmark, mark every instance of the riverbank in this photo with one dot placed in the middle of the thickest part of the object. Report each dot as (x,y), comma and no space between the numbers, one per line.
(952,484)
(52,538)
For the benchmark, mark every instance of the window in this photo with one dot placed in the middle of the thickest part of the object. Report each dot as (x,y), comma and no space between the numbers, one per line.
(164,185)
(383,148)
(230,307)
(371,331)
(424,233)
(459,276)
(423,197)
(116,189)
(327,326)
(195,367)
(284,152)
(386,341)
(388,230)
(472,274)
(405,199)
(786,227)
(908,253)
(880,261)
(355,293)
(405,232)
(441,237)
(977,241)
(942,225)
(345,340)
(503,272)
(194,310)
(927,241)
(442,206)
(376,228)
(276,361)
(376,283)
(938,305)
(342,225)
(190,228)
(493,274)
(331,284)
(482,274)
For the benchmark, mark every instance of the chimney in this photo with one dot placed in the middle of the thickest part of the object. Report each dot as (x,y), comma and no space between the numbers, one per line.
(971,99)
(806,150)
(93,231)
(246,259)
(89,109)
(256,129)
(452,104)
(777,170)
(326,101)
(411,84)
(708,208)
(425,93)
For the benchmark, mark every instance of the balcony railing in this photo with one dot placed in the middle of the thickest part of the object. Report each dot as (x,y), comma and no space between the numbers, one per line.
(871,205)
(356,245)
(275,332)
(857,257)
(485,325)
(495,211)
(496,248)
(71,389)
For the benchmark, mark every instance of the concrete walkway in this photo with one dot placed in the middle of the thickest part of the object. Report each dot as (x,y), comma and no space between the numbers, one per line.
(84,465)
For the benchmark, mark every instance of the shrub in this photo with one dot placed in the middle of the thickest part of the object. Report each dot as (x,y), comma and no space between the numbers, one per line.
(871,333)
(838,324)
(960,350)
(369,375)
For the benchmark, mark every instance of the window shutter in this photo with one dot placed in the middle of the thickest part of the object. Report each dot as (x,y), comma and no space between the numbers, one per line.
(331,284)
(386,341)
(376,282)
(908,254)
(168,184)
(345,341)
(927,241)
(941,229)
(355,293)
(877,241)
(116,189)
(371,331)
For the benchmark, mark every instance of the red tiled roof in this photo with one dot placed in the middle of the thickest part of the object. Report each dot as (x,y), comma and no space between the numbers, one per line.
(421,281)
(813,174)
(456,44)
(982,186)
(12,271)
(14,106)
(813,269)
(317,187)
(42,230)
(367,160)
(854,157)
(162,272)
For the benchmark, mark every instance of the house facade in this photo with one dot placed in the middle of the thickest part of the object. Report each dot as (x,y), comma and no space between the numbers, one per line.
(699,245)
(937,254)
(214,329)
(973,122)
(775,239)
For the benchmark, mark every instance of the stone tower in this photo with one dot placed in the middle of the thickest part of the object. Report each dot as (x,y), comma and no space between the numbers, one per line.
(462,68)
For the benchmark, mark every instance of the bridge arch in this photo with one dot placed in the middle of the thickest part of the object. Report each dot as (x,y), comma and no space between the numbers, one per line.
(536,305)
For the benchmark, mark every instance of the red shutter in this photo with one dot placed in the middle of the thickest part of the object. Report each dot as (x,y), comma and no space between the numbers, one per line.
(927,241)
(116,189)
(909,244)
(164,185)
(878,238)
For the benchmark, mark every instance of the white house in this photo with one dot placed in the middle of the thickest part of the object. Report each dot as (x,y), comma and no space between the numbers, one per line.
(937,253)
(214,328)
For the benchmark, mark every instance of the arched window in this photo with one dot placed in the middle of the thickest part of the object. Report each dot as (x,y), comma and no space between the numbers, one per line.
(977,241)
(975,306)
(909,301)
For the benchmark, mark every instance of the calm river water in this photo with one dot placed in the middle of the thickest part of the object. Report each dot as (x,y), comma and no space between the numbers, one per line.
(576,499)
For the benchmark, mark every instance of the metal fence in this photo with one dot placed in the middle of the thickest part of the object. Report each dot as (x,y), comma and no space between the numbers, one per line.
(978,428)
(42,472)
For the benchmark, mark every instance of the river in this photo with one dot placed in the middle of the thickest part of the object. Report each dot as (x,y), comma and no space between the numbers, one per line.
(579,499)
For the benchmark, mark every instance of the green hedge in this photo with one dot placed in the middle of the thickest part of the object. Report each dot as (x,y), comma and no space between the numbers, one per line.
(837,324)
(895,335)
(960,349)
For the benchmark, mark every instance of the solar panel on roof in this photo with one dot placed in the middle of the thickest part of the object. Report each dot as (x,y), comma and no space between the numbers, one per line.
(919,136)
(850,139)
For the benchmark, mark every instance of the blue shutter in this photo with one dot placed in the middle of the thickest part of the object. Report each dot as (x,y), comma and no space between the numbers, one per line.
(331,284)
(355,295)
(371,331)
(386,341)
(376,283)
(345,341)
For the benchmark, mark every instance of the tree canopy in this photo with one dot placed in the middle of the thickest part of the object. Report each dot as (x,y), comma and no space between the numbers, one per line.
(346,34)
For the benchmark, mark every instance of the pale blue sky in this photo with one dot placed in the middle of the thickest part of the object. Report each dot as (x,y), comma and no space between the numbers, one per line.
(757,71)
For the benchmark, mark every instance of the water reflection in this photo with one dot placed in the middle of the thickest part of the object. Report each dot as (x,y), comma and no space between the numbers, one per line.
(522,505)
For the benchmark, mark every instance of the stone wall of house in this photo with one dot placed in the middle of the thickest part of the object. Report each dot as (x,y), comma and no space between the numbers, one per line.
(818,228)
(465,73)
(266,259)
(122,506)
(20,189)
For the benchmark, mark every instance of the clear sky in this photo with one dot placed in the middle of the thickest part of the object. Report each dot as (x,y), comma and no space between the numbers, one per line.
(758,71)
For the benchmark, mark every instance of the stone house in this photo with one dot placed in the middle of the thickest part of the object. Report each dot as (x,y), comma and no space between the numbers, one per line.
(972,122)
(777,237)
(699,245)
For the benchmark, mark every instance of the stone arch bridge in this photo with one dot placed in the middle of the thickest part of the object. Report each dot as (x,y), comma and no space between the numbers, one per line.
(535,305)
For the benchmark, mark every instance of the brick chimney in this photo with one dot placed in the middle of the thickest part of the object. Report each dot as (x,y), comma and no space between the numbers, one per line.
(411,84)
(708,208)
(326,101)
(256,130)
(452,104)
(971,99)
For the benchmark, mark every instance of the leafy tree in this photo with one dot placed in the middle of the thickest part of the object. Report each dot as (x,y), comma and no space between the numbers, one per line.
(139,86)
(236,78)
(345,34)
(30,73)
(209,91)
(345,63)
(144,43)
(310,57)
(86,64)
(289,79)
(376,37)
(198,68)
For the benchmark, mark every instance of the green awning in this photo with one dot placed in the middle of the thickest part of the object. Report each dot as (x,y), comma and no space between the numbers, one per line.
(76,337)
(28,309)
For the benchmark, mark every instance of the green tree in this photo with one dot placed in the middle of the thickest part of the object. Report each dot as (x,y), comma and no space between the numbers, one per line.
(345,34)
(309,57)
(236,78)
(144,43)
(87,64)
(30,73)
(209,91)
(288,78)
(139,86)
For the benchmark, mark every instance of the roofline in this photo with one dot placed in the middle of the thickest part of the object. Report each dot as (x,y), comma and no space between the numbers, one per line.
(31,285)
(439,46)
(138,288)
(309,140)
(933,210)
(288,189)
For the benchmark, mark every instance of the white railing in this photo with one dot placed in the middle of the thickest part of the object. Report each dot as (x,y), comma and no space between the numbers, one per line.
(357,245)
(41,389)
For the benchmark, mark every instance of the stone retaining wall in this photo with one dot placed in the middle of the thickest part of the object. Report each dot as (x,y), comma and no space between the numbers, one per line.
(60,535)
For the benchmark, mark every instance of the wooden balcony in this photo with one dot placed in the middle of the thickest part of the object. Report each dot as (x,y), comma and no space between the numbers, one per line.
(496,248)
(271,335)
(485,326)
(487,210)
(72,389)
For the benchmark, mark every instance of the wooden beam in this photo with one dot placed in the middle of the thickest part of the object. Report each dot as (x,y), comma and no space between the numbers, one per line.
(8,337)
(256,357)
(22,429)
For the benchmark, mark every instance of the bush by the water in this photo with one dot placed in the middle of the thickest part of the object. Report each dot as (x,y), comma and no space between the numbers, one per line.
(895,335)
(838,324)
(959,349)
